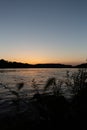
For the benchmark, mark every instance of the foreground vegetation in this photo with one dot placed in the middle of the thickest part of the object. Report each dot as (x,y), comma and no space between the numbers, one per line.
(49,109)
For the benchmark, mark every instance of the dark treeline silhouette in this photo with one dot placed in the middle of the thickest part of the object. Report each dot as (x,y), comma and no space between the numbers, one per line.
(52,66)
(8,64)
(84,65)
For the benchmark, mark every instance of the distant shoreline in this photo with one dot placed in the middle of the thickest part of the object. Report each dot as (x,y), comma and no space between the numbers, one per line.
(7,64)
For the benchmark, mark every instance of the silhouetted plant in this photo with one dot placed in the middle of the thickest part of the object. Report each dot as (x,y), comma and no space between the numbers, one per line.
(76,80)
(34,85)
(20,86)
(37,95)
(68,79)
(50,81)
(16,92)
(53,86)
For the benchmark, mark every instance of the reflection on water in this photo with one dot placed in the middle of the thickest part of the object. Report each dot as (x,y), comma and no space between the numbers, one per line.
(11,77)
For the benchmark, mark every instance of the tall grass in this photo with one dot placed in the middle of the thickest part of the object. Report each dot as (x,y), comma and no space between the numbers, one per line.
(53,85)
(75,80)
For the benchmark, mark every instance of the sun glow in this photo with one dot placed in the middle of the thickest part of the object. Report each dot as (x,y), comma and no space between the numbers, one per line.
(42,60)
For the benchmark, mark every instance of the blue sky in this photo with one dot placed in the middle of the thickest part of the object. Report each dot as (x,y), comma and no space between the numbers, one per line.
(43,31)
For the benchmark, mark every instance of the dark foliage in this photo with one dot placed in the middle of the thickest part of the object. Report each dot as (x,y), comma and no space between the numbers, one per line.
(7,64)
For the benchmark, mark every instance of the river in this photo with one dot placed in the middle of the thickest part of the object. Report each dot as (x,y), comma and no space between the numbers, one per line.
(11,77)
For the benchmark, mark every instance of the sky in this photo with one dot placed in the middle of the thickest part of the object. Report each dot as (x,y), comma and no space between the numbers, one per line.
(43,31)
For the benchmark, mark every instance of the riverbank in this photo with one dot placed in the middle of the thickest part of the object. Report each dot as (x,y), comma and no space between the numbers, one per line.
(45,111)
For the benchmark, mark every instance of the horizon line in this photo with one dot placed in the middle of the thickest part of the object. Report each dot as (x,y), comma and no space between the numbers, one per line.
(74,64)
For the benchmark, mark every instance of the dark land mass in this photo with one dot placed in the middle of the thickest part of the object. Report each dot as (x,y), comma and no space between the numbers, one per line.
(84,65)
(8,64)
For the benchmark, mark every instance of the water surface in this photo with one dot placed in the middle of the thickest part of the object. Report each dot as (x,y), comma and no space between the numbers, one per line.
(10,77)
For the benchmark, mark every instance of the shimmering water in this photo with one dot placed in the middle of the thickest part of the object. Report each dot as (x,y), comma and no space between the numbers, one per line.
(10,77)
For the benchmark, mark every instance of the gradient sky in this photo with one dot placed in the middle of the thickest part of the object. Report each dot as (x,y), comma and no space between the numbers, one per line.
(43,31)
